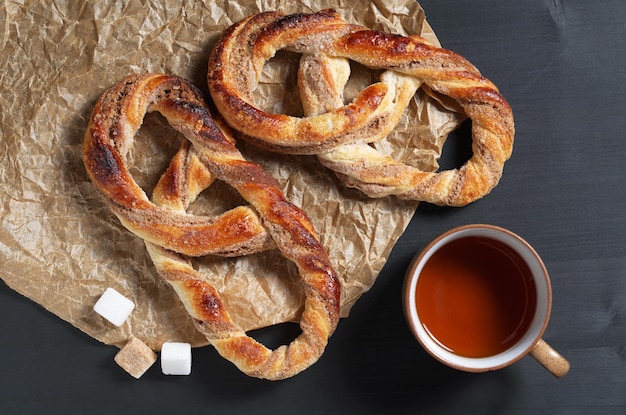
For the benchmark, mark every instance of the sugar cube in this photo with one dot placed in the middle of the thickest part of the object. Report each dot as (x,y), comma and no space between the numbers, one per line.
(135,357)
(114,307)
(176,358)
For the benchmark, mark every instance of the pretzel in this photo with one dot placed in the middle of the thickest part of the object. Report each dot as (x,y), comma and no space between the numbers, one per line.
(340,135)
(172,236)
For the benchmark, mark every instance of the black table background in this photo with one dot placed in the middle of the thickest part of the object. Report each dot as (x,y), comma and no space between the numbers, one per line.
(560,64)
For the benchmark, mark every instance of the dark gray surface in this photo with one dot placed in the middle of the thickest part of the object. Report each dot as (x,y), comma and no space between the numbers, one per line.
(561,66)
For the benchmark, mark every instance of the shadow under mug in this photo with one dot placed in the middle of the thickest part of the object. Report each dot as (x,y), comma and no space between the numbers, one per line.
(530,342)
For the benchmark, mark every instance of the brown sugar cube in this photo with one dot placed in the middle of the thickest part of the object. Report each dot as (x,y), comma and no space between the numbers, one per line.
(135,357)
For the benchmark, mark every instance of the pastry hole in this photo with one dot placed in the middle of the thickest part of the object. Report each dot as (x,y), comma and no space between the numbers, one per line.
(260,284)
(277,91)
(276,335)
(457,149)
(154,145)
(360,78)
(216,199)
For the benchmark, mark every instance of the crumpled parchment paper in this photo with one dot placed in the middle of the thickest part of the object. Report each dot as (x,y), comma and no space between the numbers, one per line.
(59,244)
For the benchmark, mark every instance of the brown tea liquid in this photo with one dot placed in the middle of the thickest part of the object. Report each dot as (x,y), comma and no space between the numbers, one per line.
(476,297)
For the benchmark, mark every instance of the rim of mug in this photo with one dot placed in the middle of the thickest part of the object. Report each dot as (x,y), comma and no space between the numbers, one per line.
(542,309)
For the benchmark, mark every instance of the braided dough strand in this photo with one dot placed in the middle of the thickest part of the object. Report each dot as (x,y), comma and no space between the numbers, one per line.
(211,155)
(234,71)
(448,74)
(340,134)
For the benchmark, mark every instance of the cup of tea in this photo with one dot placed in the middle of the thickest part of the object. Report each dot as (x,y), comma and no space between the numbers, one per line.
(478,298)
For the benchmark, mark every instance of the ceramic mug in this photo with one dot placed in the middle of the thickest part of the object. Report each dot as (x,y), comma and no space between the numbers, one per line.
(478,298)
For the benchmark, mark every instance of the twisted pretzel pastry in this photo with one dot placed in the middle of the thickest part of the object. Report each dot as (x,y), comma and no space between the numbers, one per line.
(340,134)
(172,235)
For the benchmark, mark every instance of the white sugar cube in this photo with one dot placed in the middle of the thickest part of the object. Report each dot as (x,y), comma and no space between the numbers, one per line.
(176,358)
(114,307)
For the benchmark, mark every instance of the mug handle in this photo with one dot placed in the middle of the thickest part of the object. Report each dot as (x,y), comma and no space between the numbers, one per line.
(550,359)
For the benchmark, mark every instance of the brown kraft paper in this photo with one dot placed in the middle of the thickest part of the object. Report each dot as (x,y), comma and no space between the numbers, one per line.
(59,244)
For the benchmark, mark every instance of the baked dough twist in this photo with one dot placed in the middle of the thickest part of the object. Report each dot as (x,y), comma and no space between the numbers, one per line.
(340,134)
(172,235)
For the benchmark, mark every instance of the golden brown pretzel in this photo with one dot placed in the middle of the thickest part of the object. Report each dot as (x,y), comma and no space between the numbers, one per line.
(340,134)
(170,233)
